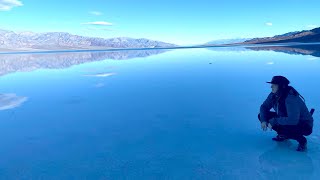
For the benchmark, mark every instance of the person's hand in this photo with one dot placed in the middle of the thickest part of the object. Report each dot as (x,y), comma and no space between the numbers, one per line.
(270,126)
(264,126)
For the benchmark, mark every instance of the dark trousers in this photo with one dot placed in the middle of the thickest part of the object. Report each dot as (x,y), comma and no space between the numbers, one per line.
(295,132)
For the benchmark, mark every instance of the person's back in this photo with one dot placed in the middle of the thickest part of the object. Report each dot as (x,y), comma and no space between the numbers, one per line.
(298,110)
(305,115)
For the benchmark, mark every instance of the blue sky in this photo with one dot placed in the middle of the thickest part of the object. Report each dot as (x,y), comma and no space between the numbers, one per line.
(182,21)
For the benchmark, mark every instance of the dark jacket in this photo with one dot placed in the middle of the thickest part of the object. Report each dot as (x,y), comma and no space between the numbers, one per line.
(296,110)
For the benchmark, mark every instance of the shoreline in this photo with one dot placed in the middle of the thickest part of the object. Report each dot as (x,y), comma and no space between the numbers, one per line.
(32,51)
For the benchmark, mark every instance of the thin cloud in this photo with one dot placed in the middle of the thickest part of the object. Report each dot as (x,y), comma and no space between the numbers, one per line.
(312,26)
(96,13)
(98,23)
(269,23)
(97,29)
(7,5)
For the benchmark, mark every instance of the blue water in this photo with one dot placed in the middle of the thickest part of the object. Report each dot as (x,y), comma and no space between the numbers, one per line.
(178,114)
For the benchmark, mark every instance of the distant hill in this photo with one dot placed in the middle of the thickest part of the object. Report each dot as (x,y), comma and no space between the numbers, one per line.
(12,41)
(307,36)
(227,41)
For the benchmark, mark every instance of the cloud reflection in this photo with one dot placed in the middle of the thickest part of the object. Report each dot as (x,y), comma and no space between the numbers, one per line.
(10,101)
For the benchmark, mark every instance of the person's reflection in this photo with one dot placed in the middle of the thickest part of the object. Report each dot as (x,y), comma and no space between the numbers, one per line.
(282,163)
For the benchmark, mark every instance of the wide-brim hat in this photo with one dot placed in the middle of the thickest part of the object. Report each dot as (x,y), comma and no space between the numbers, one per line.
(279,80)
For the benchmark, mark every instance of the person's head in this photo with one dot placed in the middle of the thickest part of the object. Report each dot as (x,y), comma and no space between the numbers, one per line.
(279,83)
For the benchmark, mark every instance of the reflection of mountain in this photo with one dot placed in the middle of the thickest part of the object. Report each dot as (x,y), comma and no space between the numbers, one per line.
(313,50)
(229,48)
(10,101)
(10,63)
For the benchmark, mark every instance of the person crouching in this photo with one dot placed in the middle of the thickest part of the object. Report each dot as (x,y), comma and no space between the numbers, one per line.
(291,119)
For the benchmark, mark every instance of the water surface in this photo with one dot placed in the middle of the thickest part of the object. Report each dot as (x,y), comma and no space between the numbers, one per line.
(158,114)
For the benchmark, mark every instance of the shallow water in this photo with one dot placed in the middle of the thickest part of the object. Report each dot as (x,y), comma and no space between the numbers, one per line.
(176,114)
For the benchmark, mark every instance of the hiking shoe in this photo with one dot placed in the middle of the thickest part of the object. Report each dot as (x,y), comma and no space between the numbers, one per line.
(302,147)
(280,138)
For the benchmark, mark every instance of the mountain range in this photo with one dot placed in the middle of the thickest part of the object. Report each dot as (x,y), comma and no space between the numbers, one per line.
(53,41)
(29,41)
(227,41)
(306,36)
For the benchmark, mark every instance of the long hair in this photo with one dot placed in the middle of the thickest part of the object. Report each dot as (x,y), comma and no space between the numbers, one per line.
(284,90)
(282,94)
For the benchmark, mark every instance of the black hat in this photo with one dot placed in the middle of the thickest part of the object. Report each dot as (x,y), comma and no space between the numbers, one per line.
(279,80)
